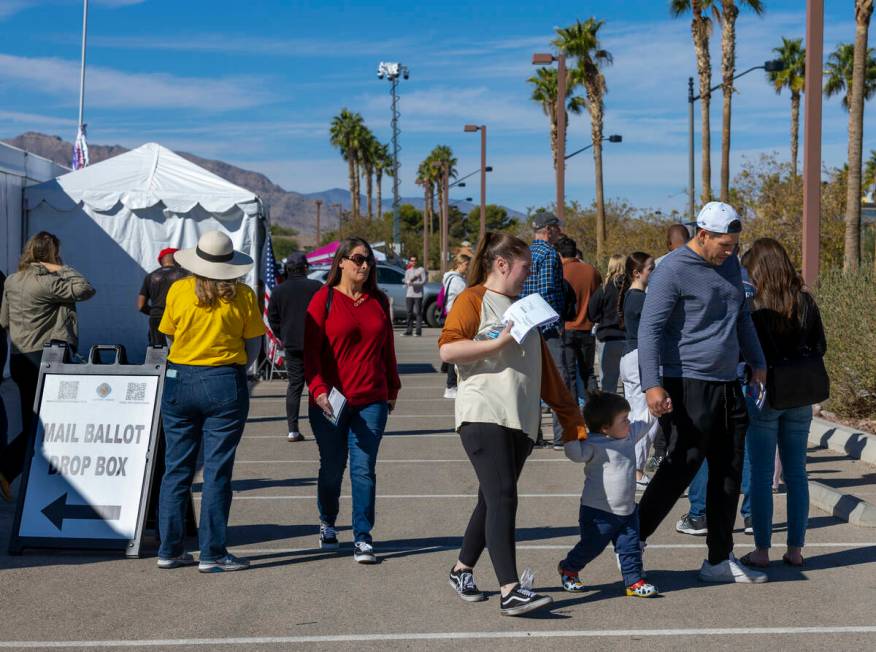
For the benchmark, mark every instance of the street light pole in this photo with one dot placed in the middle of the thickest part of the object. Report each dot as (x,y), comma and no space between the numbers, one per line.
(691,181)
(541,59)
(482,230)
(392,72)
(812,141)
(318,203)
(445,216)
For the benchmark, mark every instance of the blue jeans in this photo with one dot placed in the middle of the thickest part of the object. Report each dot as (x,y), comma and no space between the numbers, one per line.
(696,492)
(358,435)
(598,528)
(789,430)
(201,407)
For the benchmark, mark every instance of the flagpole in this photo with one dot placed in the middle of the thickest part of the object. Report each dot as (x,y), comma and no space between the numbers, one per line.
(82,69)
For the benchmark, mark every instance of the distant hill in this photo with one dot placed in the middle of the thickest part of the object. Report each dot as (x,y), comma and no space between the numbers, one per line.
(287,208)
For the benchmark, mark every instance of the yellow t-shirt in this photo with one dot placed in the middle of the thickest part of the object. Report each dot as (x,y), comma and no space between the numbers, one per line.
(209,338)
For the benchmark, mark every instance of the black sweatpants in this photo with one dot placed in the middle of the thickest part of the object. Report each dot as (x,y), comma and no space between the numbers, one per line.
(156,337)
(25,371)
(498,455)
(295,374)
(414,307)
(708,422)
(579,348)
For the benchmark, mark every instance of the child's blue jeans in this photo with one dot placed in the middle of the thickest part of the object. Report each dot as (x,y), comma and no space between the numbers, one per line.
(598,528)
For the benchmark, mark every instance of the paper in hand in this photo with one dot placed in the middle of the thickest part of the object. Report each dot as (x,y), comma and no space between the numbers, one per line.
(337,401)
(529,312)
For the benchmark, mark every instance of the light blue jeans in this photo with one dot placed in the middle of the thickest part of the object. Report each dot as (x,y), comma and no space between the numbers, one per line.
(789,430)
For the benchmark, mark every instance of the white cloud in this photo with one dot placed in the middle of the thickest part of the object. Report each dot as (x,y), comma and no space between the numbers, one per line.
(11,7)
(108,87)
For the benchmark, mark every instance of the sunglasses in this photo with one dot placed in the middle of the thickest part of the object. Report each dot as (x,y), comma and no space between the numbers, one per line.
(358,259)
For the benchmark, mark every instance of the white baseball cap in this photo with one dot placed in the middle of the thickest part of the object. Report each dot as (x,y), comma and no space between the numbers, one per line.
(718,217)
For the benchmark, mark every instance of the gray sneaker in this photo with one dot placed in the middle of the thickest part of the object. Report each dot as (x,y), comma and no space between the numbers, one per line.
(225,564)
(175,562)
(695,525)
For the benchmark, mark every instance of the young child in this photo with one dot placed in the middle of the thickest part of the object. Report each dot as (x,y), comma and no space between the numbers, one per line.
(608,502)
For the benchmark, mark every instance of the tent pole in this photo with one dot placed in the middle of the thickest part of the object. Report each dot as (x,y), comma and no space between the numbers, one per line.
(82,68)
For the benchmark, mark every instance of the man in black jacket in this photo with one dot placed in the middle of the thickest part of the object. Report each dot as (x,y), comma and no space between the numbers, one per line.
(286,312)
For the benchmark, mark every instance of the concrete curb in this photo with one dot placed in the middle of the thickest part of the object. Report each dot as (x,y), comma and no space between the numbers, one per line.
(844,506)
(855,444)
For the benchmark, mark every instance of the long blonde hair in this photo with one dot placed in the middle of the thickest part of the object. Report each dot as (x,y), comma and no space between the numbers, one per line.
(210,292)
(616,268)
(44,247)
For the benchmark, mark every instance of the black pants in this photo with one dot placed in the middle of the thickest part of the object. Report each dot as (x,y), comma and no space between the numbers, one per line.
(156,337)
(25,371)
(452,380)
(295,373)
(579,348)
(708,422)
(414,306)
(498,455)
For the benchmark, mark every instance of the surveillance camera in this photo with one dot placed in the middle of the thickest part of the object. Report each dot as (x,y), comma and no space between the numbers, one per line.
(406,73)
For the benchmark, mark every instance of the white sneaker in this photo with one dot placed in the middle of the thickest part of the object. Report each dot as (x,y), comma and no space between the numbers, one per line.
(295,436)
(450,392)
(642,484)
(730,571)
(363,553)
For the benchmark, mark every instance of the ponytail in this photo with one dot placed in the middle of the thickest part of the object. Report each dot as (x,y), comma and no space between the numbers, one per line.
(635,262)
(492,246)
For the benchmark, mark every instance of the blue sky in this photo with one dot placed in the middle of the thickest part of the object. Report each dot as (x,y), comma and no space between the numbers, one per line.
(256,83)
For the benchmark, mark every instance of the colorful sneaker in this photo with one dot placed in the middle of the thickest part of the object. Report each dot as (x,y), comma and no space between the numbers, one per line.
(570,580)
(363,553)
(642,589)
(226,564)
(328,537)
(175,562)
(463,582)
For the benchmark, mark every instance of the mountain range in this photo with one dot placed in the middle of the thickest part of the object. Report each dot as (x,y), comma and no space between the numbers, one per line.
(287,208)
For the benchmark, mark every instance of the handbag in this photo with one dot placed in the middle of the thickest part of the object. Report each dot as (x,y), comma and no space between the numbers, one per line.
(793,382)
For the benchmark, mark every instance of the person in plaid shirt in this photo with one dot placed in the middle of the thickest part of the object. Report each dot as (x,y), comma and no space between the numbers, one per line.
(546,278)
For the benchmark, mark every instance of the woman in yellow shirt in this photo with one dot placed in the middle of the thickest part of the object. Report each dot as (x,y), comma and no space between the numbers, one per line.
(214,327)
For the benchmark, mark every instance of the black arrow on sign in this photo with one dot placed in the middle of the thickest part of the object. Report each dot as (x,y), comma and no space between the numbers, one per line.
(58,511)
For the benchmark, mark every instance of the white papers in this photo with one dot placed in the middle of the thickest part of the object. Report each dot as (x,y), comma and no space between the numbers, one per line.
(528,313)
(337,401)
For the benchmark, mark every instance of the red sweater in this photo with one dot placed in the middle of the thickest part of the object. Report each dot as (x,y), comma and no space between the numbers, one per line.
(353,350)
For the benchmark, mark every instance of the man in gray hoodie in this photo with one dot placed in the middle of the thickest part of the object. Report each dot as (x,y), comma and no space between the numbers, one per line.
(694,324)
(415,279)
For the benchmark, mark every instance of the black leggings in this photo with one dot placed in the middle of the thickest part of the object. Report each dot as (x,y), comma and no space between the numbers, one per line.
(25,371)
(498,455)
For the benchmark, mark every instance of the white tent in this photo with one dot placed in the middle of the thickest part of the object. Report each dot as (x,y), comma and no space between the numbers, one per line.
(114,217)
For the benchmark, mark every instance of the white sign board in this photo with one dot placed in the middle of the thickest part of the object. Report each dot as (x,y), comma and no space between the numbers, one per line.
(89,462)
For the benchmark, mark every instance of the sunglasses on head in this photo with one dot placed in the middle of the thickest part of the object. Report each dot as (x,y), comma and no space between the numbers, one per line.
(359,259)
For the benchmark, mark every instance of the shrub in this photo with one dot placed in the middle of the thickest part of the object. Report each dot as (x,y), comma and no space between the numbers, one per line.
(848,309)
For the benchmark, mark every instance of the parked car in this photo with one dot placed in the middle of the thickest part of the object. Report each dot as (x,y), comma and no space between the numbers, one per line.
(390,279)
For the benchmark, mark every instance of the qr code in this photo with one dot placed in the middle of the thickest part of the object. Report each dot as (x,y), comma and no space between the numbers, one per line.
(68,390)
(136,392)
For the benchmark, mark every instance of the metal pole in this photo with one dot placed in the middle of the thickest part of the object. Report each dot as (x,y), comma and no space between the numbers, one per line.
(396,201)
(812,140)
(82,69)
(561,136)
(318,207)
(445,217)
(691,182)
(483,227)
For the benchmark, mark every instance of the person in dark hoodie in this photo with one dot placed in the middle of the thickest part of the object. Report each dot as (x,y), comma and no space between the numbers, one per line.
(286,313)
(603,311)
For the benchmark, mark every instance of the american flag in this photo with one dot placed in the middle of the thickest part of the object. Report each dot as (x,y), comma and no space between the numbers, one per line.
(274,346)
(80,149)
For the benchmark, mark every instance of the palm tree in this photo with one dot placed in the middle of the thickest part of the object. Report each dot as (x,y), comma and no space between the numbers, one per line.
(345,133)
(729,14)
(793,55)
(442,160)
(581,41)
(852,68)
(368,154)
(544,91)
(424,179)
(382,165)
(701,31)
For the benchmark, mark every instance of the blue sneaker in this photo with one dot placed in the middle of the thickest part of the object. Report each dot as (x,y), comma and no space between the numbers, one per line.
(227,563)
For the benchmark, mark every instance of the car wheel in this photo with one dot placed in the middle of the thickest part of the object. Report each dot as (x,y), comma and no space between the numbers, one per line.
(433,315)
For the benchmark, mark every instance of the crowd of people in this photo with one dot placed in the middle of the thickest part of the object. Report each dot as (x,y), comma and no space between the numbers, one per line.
(707,370)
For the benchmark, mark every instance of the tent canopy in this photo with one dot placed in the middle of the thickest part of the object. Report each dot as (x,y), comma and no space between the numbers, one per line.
(115,216)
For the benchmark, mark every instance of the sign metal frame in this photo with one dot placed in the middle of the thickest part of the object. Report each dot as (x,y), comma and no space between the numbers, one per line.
(56,360)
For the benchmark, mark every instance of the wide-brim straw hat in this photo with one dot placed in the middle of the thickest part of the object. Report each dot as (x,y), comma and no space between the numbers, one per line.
(214,258)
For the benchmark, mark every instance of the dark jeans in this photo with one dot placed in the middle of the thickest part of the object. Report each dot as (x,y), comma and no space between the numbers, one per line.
(201,407)
(25,371)
(598,528)
(498,455)
(696,492)
(612,352)
(156,337)
(554,341)
(708,422)
(579,348)
(358,435)
(295,374)
(415,308)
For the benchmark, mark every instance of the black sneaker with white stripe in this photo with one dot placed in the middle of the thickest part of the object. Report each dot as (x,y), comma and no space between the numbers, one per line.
(521,601)
(463,582)
(328,537)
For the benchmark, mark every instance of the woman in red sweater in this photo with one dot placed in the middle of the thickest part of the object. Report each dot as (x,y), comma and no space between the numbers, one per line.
(349,348)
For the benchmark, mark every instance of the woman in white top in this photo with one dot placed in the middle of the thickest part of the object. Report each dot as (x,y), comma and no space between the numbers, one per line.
(454,284)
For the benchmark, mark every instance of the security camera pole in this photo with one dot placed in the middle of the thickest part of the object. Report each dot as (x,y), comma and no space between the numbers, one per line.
(392,72)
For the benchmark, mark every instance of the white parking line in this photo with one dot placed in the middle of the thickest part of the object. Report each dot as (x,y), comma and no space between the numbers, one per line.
(237,496)
(447,636)
(390,435)
(531,461)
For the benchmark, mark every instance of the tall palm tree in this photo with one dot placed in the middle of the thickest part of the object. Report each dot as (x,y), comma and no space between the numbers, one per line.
(425,179)
(701,32)
(581,41)
(382,165)
(852,68)
(441,158)
(368,155)
(729,14)
(345,134)
(544,91)
(793,55)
